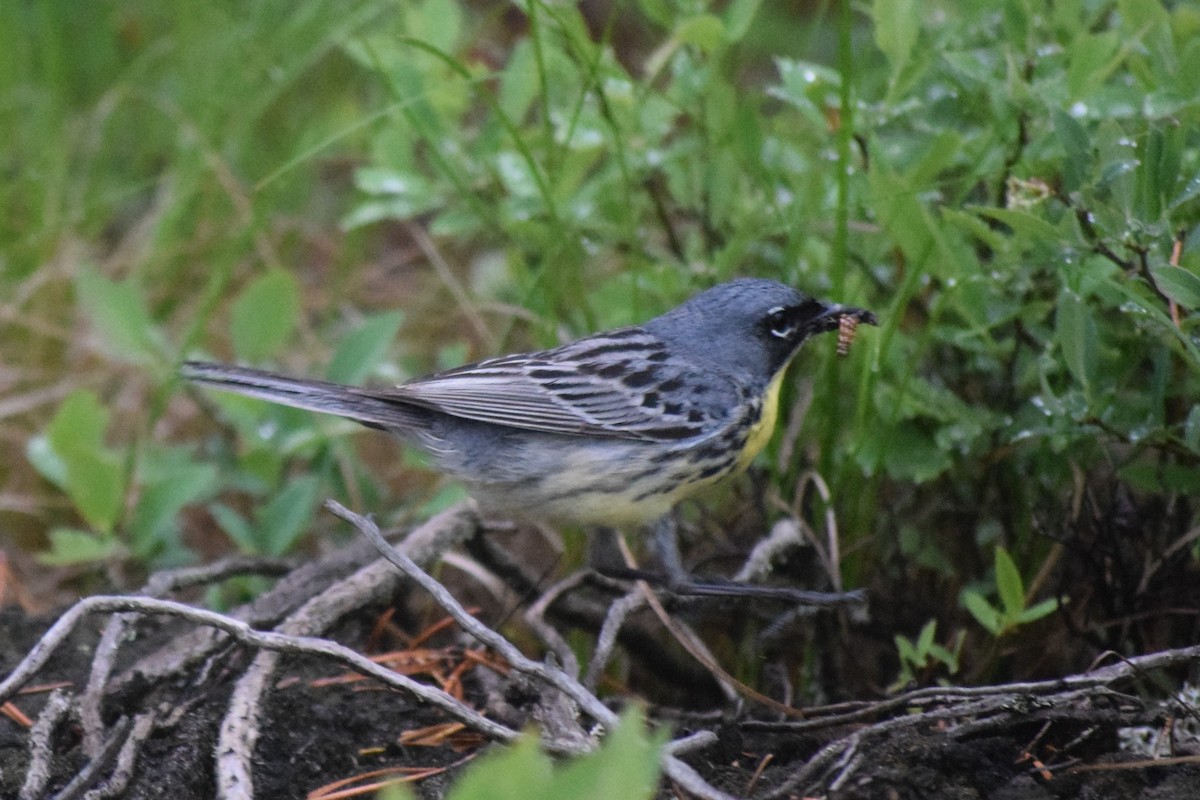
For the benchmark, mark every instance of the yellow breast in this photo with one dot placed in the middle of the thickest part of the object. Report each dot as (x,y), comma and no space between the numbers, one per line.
(761,430)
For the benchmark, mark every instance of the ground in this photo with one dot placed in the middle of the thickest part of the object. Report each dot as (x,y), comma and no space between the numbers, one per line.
(316,731)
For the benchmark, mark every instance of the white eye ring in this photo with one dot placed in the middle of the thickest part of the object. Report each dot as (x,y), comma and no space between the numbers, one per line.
(782,332)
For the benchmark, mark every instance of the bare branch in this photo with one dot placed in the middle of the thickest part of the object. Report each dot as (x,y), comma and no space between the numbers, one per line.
(554,677)
(240,631)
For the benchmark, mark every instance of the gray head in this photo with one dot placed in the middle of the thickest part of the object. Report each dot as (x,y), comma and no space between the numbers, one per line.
(749,326)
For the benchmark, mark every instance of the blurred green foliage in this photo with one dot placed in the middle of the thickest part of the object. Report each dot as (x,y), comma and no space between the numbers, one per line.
(625,765)
(1014,187)
(1013,609)
(922,655)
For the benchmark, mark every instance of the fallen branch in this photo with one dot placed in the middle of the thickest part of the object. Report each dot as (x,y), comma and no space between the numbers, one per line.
(569,686)
(243,633)
(969,711)
(239,729)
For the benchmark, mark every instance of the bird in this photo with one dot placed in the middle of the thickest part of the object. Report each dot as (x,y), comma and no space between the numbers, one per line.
(612,429)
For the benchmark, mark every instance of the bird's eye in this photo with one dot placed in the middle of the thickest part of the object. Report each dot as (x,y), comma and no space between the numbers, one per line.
(780,324)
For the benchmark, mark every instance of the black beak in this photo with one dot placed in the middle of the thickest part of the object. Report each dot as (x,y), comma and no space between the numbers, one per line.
(832,316)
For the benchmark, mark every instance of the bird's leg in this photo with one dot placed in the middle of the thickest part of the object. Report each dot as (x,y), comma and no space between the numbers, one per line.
(678,581)
(666,545)
(604,550)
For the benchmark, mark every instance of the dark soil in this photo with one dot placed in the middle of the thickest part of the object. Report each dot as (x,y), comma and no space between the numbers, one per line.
(313,735)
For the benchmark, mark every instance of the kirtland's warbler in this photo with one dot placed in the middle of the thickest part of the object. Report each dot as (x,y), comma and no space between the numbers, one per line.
(611,429)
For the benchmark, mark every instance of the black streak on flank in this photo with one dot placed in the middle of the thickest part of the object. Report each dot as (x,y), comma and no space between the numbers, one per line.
(550,373)
(674,432)
(613,370)
(715,469)
(636,380)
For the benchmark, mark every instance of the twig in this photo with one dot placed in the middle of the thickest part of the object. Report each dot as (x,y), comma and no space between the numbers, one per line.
(684,775)
(118,738)
(985,708)
(159,585)
(554,677)
(240,631)
(618,612)
(536,618)
(40,751)
(118,782)
(691,782)
(577,609)
(282,599)
(568,686)
(239,730)
(1141,763)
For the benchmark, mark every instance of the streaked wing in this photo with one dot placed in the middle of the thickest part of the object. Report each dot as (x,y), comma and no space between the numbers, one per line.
(620,384)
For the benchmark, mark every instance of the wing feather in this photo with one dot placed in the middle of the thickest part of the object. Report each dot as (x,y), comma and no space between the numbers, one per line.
(603,385)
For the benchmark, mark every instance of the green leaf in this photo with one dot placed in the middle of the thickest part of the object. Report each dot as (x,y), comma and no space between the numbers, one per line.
(1093,57)
(908,653)
(1138,15)
(739,15)
(437,22)
(1190,190)
(1009,584)
(79,425)
(265,315)
(897,25)
(69,546)
(167,488)
(927,635)
(1078,148)
(396,791)
(117,311)
(236,527)
(805,84)
(1029,226)
(659,11)
(284,519)
(95,482)
(46,461)
(1167,478)
(91,474)
(906,217)
(518,81)
(1016,25)
(911,454)
(705,31)
(625,766)
(983,611)
(1179,284)
(397,195)
(361,351)
(1152,309)
(1075,332)
(520,772)
(1156,175)
(1191,429)
(944,656)
(1038,610)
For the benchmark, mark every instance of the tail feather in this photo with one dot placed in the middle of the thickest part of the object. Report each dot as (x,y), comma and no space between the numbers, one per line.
(361,405)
